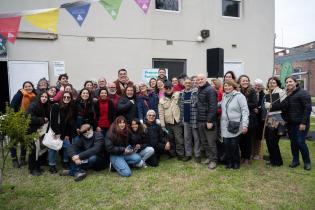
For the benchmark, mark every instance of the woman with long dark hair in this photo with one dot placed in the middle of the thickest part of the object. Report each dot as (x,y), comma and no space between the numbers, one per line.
(39,111)
(21,100)
(63,115)
(229,75)
(153,85)
(139,141)
(85,109)
(104,110)
(127,106)
(118,146)
(252,103)
(275,122)
(296,110)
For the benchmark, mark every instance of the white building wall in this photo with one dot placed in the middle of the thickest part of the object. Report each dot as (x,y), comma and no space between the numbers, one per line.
(135,35)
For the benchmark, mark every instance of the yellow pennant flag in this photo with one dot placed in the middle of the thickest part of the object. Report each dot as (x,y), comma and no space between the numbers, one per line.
(46,20)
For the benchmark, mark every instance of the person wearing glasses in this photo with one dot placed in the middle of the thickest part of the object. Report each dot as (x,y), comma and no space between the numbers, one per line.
(155,137)
(63,115)
(88,152)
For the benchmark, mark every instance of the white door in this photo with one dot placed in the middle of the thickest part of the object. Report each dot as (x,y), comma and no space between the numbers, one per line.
(236,66)
(21,71)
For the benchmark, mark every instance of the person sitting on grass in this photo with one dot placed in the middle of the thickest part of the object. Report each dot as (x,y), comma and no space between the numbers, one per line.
(86,153)
(117,145)
(139,142)
(156,139)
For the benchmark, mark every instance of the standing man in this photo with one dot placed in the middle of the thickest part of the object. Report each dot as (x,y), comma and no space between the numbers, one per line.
(207,114)
(169,113)
(162,75)
(188,116)
(122,82)
(112,94)
(62,81)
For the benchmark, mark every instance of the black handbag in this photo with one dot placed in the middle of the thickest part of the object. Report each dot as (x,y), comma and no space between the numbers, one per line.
(233,126)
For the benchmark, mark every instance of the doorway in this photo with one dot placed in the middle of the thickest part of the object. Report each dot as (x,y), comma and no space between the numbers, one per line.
(175,67)
(4,85)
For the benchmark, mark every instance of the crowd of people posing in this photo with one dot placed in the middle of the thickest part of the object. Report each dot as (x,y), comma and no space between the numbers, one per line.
(121,125)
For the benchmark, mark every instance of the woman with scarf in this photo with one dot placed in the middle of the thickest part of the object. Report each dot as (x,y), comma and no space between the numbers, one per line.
(21,100)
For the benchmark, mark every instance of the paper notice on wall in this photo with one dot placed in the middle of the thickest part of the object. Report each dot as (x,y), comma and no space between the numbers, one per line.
(59,68)
(147,74)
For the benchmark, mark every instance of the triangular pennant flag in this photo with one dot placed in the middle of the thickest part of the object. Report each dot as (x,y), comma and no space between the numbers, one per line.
(112,7)
(9,27)
(3,48)
(79,12)
(47,20)
(144,5)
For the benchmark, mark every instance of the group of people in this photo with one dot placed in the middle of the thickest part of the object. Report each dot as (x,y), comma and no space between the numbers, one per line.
(122,125)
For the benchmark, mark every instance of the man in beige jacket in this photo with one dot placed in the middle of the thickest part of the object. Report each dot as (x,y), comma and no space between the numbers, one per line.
(169,113)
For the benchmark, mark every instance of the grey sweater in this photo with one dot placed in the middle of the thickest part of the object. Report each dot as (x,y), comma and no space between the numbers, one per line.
(237,110)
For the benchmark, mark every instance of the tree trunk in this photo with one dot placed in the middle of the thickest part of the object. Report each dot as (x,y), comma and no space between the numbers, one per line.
(1,177)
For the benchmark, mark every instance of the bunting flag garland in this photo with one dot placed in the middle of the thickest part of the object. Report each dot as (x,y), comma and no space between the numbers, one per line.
(78,10)
(47,20)
(9,28)
(144,5)
(112,7)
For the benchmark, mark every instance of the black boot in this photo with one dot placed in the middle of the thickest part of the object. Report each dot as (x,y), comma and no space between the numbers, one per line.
(52,169)
(15,163)
(23,161)
(35,172)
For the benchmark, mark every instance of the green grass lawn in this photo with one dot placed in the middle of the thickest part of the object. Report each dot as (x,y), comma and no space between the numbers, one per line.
(172,185)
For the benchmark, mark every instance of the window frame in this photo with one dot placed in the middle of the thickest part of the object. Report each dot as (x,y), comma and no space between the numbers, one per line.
(240,10)
(171,11)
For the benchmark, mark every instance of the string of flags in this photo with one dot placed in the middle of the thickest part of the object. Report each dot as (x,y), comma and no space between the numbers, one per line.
(47,19)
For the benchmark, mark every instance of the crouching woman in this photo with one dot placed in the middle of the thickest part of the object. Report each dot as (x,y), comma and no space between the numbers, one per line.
(117,145)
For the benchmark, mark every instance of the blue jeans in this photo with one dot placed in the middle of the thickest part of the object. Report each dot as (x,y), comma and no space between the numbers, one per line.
(297,139)
(52,154)
(146,153)
(120,163)
(14,152)
(94,162)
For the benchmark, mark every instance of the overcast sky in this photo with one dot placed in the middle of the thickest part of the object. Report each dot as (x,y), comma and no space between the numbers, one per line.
(295,22)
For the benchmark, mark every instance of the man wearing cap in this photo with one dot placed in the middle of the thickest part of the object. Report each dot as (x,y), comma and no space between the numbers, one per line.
(169,113)
(206,118)
(86,153)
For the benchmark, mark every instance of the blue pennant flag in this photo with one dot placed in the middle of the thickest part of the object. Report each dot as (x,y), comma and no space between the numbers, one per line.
(79,12)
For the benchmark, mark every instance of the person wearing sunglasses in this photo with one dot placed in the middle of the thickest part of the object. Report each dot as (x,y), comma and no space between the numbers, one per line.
(63,115)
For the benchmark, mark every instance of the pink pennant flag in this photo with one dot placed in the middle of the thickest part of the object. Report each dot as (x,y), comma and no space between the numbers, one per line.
(9,27)
(144,5)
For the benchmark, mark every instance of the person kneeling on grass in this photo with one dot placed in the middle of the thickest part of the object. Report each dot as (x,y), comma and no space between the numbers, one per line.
(86,153)
(117,143)
(139,141)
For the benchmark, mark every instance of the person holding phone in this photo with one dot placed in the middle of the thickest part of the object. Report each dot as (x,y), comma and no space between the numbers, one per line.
(117,145)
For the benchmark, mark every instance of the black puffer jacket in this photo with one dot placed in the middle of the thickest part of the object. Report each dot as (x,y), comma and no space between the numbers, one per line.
(38,112)
(138,138)
(155,137)
(252,103)
(207,104)
(127,109)
(64,127)
(296,107)
(87,147)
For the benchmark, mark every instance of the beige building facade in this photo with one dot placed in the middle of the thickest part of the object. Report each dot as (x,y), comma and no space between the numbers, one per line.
(137,41)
